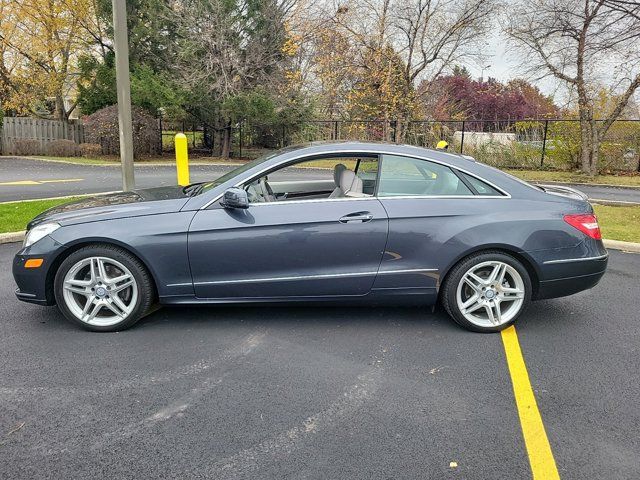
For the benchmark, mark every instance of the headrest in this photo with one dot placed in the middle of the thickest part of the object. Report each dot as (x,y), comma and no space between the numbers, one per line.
(337,170)
(350,182)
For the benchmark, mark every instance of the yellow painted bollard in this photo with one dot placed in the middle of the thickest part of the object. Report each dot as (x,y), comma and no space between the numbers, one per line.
(182,159)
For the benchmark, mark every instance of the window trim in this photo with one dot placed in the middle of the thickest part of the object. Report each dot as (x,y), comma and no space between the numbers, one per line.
(469,185)
(353,153)
(312,200)
(462,177)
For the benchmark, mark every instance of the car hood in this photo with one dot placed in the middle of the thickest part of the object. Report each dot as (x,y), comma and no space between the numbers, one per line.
(136,203)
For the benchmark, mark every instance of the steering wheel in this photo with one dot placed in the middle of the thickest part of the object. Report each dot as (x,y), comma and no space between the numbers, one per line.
(267,191)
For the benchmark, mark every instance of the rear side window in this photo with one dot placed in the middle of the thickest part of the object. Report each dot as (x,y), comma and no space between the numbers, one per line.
(483,188)
(407,176)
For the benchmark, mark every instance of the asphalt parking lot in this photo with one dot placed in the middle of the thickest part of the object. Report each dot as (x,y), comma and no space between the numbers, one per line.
(327,393)
(24,179)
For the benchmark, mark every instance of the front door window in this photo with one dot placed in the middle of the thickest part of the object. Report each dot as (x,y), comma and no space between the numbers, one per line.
(319,178)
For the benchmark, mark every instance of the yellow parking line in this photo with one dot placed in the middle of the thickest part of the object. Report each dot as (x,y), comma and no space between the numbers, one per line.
(543,465)
(40,182)
(21,182)
(62,180)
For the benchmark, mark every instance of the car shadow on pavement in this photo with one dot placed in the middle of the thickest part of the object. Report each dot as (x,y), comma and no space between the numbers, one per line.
(543,314)
(294,315)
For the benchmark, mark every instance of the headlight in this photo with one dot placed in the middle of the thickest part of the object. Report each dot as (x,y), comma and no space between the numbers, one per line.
(38,232)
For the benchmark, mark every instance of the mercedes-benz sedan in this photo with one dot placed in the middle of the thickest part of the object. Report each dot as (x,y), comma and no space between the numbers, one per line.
(351,223)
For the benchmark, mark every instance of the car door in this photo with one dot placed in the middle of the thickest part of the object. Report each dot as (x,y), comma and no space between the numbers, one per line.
(429,207)
(294,248)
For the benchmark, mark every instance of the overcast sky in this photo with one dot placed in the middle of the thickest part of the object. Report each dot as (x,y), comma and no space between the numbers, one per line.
(504,65)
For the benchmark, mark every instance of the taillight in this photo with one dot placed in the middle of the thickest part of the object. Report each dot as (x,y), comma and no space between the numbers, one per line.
(586,223)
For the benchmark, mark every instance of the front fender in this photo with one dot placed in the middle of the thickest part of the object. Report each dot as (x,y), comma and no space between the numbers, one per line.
(159,241)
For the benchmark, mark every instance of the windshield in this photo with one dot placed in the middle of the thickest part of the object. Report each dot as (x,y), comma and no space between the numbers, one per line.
(243,168)
(236,171)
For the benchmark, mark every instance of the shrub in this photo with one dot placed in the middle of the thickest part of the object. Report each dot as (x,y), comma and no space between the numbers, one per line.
(63,148)
(26,146)
(101,128)
(90,150)
(620,149)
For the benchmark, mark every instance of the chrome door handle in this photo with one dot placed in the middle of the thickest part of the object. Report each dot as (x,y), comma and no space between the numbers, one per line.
(357,217)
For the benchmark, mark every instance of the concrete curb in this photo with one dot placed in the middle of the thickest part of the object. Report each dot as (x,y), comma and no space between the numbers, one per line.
(624,246)
(13,237)
(613,203)
(585,184)
(80,195)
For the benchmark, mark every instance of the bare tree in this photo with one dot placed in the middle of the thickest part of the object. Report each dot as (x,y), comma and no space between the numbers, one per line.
(585,44)
(429,36)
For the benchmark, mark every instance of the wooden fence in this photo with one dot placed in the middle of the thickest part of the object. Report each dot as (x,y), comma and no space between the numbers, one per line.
(18,133)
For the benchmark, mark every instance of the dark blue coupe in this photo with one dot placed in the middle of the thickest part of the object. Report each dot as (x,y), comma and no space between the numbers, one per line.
(354,223)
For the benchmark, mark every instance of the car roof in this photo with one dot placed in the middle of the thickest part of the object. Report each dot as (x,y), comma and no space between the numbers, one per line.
(340,146)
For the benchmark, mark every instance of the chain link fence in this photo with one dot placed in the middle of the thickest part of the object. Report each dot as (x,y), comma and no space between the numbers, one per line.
(526,144)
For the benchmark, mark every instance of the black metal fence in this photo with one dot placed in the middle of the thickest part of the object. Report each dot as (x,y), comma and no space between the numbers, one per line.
(546,143)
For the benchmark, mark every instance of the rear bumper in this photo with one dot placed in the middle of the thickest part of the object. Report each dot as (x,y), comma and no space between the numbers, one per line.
(572,276)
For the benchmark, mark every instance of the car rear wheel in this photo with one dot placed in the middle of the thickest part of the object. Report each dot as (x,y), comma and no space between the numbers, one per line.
(103,288)
(487,292)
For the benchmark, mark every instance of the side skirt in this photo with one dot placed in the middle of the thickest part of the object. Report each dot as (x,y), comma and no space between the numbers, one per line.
(382,296)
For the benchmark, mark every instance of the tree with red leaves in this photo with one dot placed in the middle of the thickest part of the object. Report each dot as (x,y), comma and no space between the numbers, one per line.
(459,97)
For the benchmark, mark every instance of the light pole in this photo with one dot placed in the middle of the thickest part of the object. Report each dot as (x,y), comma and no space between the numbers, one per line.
(482,72)
(123,85)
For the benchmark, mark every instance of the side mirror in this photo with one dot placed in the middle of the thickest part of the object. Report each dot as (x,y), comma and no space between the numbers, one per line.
(235,198)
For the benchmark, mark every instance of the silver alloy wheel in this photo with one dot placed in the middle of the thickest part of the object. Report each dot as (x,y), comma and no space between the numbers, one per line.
(100,291)
(490,294)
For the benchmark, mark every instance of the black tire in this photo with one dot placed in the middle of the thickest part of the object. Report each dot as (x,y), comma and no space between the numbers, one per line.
(448,295)
(144,283)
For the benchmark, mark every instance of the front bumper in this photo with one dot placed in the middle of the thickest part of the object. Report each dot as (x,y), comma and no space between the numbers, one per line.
(34,284)
(32,298)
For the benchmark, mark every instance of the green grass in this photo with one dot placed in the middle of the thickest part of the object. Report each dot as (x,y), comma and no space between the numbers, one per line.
(573,177)
(619,223)
(14,216)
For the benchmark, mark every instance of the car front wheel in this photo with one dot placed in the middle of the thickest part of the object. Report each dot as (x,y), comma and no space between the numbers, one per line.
(487,292)
(103,288)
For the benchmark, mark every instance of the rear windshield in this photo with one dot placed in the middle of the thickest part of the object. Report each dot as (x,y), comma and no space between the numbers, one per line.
(513,177)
